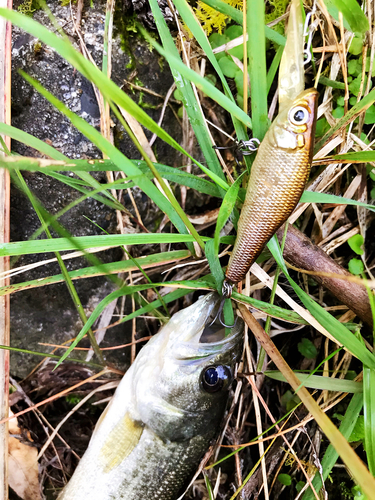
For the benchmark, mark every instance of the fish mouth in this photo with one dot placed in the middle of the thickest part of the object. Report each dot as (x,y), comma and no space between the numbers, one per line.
(209,338)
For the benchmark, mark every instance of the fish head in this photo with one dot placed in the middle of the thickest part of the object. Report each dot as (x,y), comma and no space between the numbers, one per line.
(294,126)
(182,382)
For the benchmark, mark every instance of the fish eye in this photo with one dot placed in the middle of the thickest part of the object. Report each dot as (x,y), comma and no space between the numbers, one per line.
(299,115)
(213,378)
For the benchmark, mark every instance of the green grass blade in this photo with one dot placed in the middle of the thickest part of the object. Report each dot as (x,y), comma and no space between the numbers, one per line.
(51,167)
(331,83)
(201,83)
(271,309)
(69,284)
(337,329)
(48,355)
(191,105)
(354,157)
(321,383)
(115,155)
(146,262)
(82,242)
(274,67)
(257,67)
(190,20)
(225,211)
(313,197)
(369,415)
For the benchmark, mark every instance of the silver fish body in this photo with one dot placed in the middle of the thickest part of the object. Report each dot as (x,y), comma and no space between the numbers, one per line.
(163,415)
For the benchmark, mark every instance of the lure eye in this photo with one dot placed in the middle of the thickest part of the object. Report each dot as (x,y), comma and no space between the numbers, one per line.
(299,115)
(214,377)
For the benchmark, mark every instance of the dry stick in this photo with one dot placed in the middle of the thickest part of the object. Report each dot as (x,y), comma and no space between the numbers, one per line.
(347,454)
(302,253)
(5,75)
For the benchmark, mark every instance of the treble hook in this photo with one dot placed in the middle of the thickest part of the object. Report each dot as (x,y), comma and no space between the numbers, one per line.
(308,31)
(226,294)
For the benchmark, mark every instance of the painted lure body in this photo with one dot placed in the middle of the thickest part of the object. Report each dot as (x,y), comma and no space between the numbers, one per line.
(282,165)
(277,180)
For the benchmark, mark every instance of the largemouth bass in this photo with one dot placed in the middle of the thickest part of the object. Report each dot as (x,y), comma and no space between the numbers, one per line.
(164,414)
(277,180)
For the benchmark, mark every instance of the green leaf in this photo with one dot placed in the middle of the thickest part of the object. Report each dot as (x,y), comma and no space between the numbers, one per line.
(226,209)
(217,40)
(356,266)
(356,46)
(354,68)
(358,433)
(338,112)
(370,115)
(284,479)
(356,84)
(299,486)
(232,33)
(355,243)
(322,126)
(228,67)
(351,12)
(307,349)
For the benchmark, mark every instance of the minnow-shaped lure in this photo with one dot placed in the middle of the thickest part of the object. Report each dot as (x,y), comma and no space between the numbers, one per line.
(282,165)
(277,180)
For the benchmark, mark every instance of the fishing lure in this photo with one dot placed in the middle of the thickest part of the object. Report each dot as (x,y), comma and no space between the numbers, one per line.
(282,165)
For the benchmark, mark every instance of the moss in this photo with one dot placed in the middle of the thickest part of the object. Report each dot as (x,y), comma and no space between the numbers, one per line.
(127,29)
(212,20)
(28,7)
(275,9)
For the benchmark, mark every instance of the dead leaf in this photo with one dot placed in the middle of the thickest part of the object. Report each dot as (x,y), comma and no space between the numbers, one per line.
(23,465)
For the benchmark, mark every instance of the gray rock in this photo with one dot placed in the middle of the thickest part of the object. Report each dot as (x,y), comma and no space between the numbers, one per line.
(47,314)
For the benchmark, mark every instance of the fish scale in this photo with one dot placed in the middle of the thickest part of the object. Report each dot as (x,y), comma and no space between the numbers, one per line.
(162,418)
(277,180)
